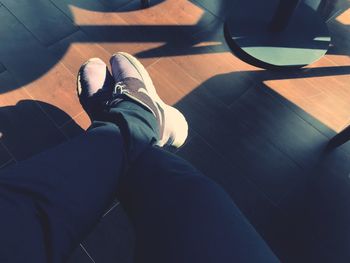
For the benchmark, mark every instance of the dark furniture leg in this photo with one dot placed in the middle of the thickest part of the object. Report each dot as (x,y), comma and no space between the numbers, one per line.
(340,138)
(145,3)
(283,15)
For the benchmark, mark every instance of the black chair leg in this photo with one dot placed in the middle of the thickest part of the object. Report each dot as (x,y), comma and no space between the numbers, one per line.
(340,138)
(145,3)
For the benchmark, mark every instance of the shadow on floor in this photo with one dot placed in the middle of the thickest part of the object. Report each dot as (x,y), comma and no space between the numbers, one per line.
(27,130)
(270,157)
(175,37)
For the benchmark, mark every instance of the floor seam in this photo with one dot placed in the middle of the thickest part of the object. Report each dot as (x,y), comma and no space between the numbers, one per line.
(234,167)
(86,252)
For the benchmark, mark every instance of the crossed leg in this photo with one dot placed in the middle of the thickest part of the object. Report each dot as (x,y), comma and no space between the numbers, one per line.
(51,201)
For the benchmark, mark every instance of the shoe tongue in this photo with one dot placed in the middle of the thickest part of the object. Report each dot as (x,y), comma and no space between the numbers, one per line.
(135,90)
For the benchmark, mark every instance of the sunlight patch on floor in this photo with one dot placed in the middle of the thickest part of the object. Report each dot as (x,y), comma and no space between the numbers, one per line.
(344,17)
(329,103)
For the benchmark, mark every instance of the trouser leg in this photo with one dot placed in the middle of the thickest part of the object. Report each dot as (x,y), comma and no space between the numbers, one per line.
(51,201)
(182,216)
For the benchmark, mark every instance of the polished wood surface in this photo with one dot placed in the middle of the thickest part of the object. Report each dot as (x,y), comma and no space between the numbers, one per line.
(260,134)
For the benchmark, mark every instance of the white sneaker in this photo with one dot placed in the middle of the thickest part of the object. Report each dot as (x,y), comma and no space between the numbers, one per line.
(132,80)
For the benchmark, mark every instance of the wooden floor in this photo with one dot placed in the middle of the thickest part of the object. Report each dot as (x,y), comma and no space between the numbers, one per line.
(260,134)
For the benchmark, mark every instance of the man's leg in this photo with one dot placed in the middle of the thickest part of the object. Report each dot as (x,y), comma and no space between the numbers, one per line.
(50,202)
(179,215)
(182,216)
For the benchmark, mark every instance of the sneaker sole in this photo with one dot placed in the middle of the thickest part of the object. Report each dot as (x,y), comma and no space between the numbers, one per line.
(176,133)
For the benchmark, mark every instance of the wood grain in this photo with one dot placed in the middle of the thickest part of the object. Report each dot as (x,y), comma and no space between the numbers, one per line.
(48,27)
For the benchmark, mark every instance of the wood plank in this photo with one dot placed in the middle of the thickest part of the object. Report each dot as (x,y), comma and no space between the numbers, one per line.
(171,23)
(68,7)
(189,17)
(19,49)
(188,14)
(209,60)
(210,69)
(318,93)
(227,86)
(333,103)
(270,169)
(269,118)
(110,30)
(316,123)
(325,98)
(256,148)
(337,59)
(57,89)
(165,73)
(50,26)
(48,80)
(75,50)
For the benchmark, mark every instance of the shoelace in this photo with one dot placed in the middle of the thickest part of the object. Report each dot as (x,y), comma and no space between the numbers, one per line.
(119,89)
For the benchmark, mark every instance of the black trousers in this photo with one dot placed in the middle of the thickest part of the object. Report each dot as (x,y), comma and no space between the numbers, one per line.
(50,202)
